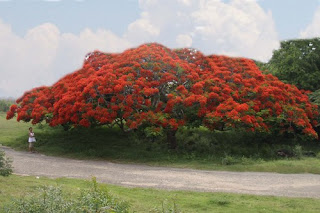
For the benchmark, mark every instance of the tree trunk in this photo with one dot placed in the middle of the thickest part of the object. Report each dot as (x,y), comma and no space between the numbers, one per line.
(171,138)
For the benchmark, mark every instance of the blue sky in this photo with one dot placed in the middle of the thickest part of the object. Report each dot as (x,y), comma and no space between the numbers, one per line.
(43,40)
(69,15)
(290,16)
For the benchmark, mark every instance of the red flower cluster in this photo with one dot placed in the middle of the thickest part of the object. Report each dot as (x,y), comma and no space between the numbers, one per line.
(169,88)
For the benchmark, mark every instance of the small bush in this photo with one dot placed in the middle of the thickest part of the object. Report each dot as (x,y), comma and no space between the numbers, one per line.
(196,140)
(52,199)
(5,165)
(247,161)
(297,151)
(229,160)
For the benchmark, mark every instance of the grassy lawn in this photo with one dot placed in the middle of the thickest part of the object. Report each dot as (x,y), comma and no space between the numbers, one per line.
(113,145)
(144,200)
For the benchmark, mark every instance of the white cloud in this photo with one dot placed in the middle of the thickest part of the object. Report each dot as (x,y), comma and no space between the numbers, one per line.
(186,2)
(73,48)
(45,54)
(237,28)
(240,28)
(142,30)
(184,40)
(313,29)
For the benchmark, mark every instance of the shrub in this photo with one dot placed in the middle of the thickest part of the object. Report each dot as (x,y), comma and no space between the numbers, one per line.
(5,165)
(237,143)
(229,160)
(196,140)
(297,151)
(52,199)
(96,200)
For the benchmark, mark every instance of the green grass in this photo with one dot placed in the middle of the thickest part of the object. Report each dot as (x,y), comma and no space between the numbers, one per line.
(113,145)
(144,200)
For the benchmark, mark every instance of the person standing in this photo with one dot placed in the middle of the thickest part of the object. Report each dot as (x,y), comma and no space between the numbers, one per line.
(32,140)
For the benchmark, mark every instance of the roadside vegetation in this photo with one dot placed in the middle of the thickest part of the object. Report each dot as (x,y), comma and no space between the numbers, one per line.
(5,165)
(16,190)
(197,148)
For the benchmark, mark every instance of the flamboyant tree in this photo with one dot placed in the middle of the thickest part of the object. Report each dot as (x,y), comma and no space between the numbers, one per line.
(165,89)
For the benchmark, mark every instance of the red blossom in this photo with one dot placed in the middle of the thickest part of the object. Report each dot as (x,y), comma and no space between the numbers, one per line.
(162,87)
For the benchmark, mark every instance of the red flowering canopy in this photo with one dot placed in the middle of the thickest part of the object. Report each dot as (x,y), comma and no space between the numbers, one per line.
(167,89)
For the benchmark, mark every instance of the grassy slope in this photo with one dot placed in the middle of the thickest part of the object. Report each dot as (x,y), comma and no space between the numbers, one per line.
(143,200)
(112,145)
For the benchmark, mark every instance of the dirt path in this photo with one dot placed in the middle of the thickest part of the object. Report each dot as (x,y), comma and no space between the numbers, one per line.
(259,183)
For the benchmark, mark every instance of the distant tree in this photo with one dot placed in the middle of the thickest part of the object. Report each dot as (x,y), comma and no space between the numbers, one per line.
(5,104)
(297,62)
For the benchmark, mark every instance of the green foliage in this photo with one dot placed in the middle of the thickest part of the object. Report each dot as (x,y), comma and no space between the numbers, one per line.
(5,165)
(262,66)
(52,199)
(153,132)
(228,160)
(297,151)
(196,140)
(297,62)
(229,144)
(315,97)
(5,104)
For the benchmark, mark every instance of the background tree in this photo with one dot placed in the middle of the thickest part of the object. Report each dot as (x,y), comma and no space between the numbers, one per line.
(5,104)
(297,62)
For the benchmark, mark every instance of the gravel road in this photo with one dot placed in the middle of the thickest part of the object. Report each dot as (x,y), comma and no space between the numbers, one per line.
(258,183)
